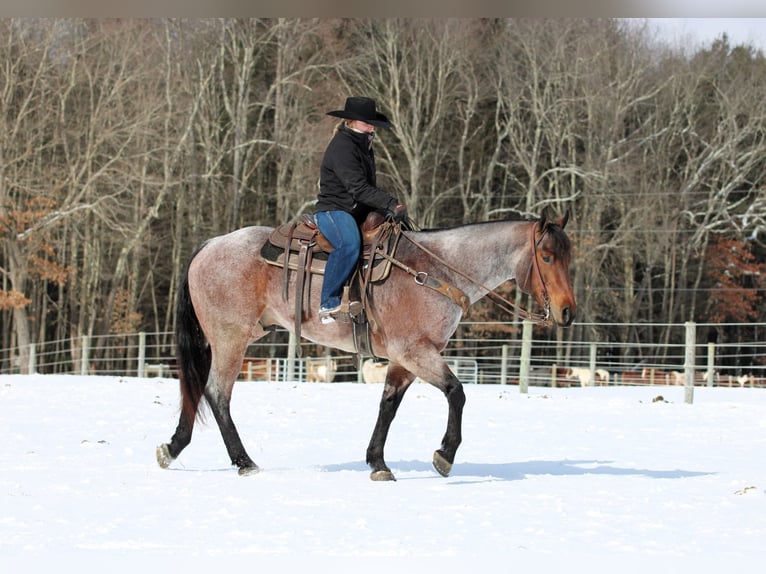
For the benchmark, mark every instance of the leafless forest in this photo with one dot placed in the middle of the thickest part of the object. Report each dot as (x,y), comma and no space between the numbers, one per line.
(126,143)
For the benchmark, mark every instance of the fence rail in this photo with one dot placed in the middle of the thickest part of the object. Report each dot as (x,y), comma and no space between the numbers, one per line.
(542,357)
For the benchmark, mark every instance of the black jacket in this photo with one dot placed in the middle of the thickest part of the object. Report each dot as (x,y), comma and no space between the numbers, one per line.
(347,177)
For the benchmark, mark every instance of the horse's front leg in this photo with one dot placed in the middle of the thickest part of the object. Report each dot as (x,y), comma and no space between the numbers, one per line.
(398,380)
(445,456)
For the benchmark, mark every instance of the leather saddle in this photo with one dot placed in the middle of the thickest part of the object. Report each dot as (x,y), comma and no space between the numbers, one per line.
(300,246)
(303,246)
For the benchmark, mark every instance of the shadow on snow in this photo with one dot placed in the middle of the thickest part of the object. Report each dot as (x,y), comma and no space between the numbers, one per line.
(521,470)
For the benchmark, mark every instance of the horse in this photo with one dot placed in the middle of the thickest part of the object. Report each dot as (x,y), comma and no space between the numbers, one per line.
(230,297)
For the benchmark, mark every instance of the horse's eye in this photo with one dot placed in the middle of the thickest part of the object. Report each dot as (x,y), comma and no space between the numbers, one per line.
(547,258)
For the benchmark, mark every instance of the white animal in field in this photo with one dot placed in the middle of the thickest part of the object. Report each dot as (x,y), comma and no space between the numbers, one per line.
(659,377)
(374,372)
(745,380)
(677,378)
(583,374)
(320,370)
(586,378)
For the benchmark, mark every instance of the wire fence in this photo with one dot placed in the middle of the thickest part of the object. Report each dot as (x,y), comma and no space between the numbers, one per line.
(482,353)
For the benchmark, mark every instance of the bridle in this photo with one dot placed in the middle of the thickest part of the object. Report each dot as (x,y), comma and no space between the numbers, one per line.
(536,267)
(421,278)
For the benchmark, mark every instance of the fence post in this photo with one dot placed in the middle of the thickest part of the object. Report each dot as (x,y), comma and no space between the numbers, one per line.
(142,354)
(710,363)
(32,369)
(329,372)
(554,374)
(592,363)
(290,366)
(689,365)
(504,365)
(84,355)
(526,354)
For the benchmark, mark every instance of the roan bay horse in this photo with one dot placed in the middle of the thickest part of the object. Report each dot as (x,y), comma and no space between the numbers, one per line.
(230,297)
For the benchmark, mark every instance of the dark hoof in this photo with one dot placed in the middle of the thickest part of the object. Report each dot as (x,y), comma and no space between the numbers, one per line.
(247,470)
(382,475)
(441,464)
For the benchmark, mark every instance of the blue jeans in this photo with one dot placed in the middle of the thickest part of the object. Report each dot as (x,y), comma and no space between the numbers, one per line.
(340,229)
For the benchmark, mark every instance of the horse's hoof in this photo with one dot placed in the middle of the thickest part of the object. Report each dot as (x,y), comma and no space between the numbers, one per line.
(247,470)
(441,464)
(163,456)
(382,475)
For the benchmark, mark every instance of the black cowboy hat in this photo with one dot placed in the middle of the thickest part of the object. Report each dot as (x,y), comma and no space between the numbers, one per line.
(362,109)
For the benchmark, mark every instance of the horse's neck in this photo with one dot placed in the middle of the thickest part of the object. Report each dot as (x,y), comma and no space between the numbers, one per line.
(487,253)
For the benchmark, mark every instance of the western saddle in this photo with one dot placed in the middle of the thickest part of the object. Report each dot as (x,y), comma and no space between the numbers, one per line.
(299,246)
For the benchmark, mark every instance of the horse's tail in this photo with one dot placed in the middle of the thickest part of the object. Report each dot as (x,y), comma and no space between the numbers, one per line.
(192,351)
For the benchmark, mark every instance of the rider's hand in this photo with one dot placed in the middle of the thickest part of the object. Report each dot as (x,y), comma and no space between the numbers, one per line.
(399,212)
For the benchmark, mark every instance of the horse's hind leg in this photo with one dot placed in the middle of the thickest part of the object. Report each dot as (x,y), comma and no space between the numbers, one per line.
(218,394)
(398,380)
(167,453)
(219,399)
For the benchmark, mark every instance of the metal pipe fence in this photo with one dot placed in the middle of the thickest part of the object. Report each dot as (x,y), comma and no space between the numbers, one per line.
(499,355)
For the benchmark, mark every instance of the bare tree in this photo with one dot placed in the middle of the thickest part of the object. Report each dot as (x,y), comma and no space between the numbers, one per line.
(124,143)
(411,68)
(30,185)
(296,92)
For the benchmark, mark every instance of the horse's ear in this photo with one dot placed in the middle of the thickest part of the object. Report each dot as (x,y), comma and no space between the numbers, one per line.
(546,216)
(549,217)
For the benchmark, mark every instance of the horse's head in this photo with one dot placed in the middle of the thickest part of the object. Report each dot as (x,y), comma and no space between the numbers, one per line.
(548,278)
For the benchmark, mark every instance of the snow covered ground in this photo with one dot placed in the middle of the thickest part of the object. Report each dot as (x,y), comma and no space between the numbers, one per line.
(559,480)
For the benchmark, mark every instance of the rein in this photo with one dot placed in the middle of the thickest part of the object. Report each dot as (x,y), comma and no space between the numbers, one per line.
(423,278)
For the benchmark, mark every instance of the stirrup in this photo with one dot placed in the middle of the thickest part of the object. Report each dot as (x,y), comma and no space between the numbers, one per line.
(328,315)
(348,308)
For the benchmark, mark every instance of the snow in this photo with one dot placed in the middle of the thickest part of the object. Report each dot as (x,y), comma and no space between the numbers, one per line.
(578,480)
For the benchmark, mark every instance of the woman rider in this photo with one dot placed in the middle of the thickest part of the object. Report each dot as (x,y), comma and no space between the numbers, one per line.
(347,193)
